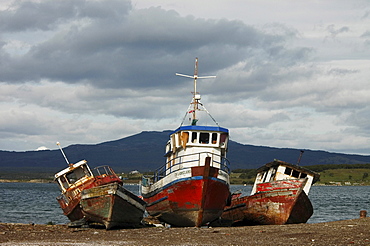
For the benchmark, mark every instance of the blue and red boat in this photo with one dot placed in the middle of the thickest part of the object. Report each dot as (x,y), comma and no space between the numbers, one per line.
(192,187)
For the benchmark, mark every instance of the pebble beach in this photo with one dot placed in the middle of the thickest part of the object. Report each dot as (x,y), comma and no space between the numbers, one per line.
(345,232)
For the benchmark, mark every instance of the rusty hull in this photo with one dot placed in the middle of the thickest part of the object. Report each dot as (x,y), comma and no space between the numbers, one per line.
(70,200)
(194,201)
(184,203)
(276,203)
(112,205)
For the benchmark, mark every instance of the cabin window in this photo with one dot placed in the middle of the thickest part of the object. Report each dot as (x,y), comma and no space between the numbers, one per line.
(214,138)
(168,147)
(64,182)
(71,177)
(77,174)
(288,171)
(204,138)
(86,171)
(223,138)
(273,173)
(264,177)
(194,137)
(295,174)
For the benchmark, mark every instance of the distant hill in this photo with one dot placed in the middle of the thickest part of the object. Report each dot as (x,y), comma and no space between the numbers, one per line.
(144,152)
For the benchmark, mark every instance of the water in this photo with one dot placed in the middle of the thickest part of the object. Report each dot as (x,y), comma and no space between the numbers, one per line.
(36,203)
(332,203)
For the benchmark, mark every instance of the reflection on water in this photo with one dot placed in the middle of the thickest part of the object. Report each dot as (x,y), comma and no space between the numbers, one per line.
(36,203)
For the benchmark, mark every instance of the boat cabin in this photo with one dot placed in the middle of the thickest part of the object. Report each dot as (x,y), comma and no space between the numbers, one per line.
(280,170)
(189,146)
(74,175)
(197,136)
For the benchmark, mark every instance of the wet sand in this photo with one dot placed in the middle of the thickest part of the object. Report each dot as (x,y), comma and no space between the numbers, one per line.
(346,232)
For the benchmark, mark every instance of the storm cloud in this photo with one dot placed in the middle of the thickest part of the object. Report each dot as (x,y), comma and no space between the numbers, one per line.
(86,71)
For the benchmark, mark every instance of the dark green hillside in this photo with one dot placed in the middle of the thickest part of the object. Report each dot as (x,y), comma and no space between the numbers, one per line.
(331,174)
(144,152)
(243,156)
(320,168)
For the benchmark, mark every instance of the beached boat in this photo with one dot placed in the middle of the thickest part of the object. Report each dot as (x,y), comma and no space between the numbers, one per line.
(112,205)
(192,187)
(71,181)
(279,196)
(97,196)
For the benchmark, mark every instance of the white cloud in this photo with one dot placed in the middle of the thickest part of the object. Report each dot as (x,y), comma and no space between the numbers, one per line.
(289,73)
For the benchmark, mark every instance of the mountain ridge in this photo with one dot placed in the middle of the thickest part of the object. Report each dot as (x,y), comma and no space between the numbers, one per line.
(144,152)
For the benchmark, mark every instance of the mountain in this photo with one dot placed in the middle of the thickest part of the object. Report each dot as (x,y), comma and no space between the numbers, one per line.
(144,152)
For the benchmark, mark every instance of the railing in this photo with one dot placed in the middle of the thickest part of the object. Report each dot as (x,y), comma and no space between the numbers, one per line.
(103,171)
(193,160)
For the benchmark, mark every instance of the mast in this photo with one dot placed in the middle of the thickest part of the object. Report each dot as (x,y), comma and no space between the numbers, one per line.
(65,157)
(196,95)
(300,157)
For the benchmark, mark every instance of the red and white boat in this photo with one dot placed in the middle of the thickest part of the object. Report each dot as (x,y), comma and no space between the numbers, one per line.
(192,187)
(279,196)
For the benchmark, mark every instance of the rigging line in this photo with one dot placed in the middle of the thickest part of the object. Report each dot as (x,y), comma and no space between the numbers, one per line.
(209,114)
(187,111)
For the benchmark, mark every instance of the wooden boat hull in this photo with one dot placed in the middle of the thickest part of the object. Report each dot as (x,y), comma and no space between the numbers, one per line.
(112,205)
(70,201)
(193,201)
(72,210)
(277,203)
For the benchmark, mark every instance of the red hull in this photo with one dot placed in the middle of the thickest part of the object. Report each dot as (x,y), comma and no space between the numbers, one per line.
(275,203)
(189,203)
(194,201)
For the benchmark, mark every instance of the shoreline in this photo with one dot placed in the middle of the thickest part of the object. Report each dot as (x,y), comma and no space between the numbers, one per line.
(344,232)
(26,181)
(43,181)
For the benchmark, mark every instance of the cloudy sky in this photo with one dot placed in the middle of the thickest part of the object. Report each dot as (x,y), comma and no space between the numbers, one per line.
(290,73)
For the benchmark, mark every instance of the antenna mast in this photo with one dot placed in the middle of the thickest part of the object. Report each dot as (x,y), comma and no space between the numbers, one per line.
(65,157)
(300,157)
(196,95)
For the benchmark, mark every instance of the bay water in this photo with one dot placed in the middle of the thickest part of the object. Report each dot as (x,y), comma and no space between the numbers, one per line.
(36,203)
